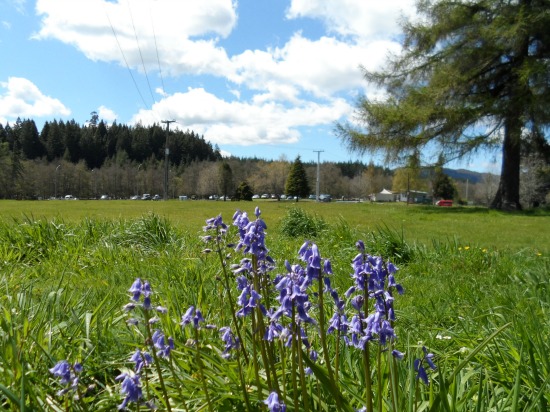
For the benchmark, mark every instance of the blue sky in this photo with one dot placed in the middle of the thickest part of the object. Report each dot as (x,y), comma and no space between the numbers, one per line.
(265,78)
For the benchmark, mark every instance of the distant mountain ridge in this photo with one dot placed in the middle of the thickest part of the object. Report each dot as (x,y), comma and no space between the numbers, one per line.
(463,174)
(458,174)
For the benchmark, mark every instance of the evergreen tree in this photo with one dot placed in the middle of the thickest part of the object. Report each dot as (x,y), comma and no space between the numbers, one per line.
(472,74)
(297,183)
(225,179)
(53,141)
(443,187)
(31,145)
(244,192)
(72,136)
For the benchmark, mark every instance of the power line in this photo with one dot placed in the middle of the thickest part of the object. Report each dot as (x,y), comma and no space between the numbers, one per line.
(140,54)
(158,59)
(125,61)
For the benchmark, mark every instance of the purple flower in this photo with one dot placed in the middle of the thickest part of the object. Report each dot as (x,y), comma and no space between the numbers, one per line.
(62,370)
(397,355)
(131,388)
(140,360)
(187,318)
(198,319)
(135,289)
(420,371)
(419,366)
(273,404)
(229,339)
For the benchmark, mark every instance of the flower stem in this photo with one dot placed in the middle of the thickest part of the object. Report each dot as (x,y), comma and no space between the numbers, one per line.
(157,362)
(201,370)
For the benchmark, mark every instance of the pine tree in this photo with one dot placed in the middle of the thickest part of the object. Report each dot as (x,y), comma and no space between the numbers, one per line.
(225,179)
(297,183)
(244,192)
(472,74)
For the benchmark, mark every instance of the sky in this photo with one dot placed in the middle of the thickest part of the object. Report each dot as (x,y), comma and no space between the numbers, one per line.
(258,78)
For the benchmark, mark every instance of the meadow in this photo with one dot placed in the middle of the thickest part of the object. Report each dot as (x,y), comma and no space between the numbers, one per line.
(131,304)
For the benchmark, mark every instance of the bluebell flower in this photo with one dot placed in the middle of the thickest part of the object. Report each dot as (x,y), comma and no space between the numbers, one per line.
(398,355)
(187,317)
(420,371)
(159,342)
(131,388)
(215,223)
(161,309)
(197,319)
(230,341)
(62,370)
(428,358)
(140,360)
(273,404)
(419,365)
(129,306)
(135,289)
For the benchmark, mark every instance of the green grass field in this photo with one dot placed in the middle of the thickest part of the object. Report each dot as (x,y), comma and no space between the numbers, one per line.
(423,224)
(476,296)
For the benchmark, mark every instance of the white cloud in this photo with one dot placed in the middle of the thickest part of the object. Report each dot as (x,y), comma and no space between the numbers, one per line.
(6,25)
(106,114)
(241,123)
(277,90)
(187,44)
(141,29)
(22,98)
(361,19)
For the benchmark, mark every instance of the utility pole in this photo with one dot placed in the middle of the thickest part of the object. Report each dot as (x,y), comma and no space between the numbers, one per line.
(166,153)
(318,178)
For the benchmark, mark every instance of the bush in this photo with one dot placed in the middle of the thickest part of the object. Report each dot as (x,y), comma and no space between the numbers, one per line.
(298,222)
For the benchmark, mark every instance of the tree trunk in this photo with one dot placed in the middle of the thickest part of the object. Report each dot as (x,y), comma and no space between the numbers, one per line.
(507,196)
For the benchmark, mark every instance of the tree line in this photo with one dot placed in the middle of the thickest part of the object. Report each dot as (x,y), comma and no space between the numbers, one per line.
(128,161)
(96,142)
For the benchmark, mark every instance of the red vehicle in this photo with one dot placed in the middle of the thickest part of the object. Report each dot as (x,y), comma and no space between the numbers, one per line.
(447,203)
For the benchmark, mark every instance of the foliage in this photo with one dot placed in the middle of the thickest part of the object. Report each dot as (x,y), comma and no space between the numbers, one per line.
(96,142)
(470,73)
(443,187)
(225,179)
(297,183)
(298,223)
(244,192)
(70,326)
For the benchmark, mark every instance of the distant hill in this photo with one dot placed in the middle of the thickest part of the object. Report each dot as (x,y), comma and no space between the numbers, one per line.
(463,174)
(458,174)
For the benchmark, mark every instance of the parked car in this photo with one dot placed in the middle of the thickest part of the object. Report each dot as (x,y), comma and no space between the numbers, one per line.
(70,197)
(135,197)
(265,196)
(325,198)
(146,196)
(157,197)
(446,203)
(256,197)
(213,197)
(104,197)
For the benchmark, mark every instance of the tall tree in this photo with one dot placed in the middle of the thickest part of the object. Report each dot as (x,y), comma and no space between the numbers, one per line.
(297,183)
(472,74)
(225,177)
